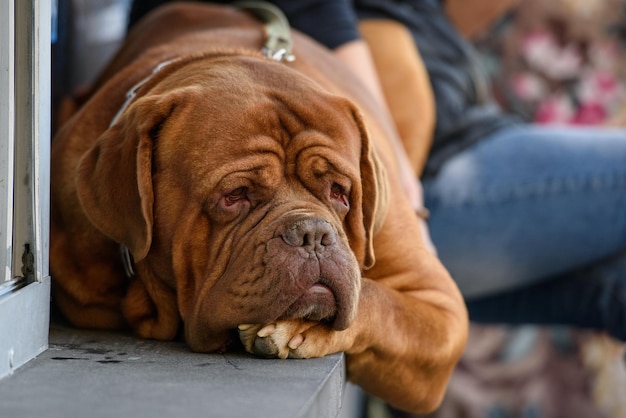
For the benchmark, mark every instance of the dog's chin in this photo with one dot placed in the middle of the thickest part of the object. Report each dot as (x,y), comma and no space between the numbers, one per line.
(318,303)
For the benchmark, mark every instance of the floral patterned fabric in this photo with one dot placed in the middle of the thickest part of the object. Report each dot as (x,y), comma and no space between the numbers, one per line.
(552,62)
(562,62)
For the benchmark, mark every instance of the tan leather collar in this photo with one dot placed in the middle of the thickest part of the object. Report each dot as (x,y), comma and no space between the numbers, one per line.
(278,43)
(130,94)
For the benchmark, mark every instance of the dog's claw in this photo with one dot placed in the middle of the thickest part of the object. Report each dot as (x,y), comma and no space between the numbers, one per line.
(282,339)
(264,340)
(266,331)
(295,342)
(267,348)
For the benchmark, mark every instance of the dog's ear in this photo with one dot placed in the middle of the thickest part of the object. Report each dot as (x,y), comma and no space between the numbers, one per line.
(114,178)
(373,197)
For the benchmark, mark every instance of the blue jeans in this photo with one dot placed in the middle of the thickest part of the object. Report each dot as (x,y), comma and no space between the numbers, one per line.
(531,223)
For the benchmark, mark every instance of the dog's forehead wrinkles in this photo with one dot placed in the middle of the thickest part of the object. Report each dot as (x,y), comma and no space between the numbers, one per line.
(260,147)
(236,98)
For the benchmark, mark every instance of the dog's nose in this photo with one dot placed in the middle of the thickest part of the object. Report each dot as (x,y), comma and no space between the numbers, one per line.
(312,234)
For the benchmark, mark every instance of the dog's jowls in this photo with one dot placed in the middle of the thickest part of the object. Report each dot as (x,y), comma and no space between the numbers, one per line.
(252,197)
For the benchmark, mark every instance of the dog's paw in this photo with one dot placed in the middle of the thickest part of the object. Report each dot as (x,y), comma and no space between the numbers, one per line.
(285,339)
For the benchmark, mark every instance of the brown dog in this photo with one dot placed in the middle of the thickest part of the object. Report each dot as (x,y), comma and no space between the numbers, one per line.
(250,196)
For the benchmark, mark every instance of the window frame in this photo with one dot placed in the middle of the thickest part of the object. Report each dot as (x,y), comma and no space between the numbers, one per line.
(25,82)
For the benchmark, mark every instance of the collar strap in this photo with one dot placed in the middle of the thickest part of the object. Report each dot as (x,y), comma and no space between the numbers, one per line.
(130,94)
(278,43)
(127,258)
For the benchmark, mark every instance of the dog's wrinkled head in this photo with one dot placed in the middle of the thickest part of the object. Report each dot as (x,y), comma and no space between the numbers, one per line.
(245,187)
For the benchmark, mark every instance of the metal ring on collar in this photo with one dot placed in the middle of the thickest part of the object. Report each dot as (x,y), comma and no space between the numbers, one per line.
(278,44)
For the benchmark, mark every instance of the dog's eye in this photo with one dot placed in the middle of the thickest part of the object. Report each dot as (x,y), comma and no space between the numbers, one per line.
(235,196)
(338,192)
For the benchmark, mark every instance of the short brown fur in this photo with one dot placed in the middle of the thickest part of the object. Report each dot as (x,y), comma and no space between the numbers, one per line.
(304,144)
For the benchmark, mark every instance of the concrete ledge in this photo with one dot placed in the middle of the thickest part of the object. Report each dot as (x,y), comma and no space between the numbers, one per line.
(25,316)
(99,374)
